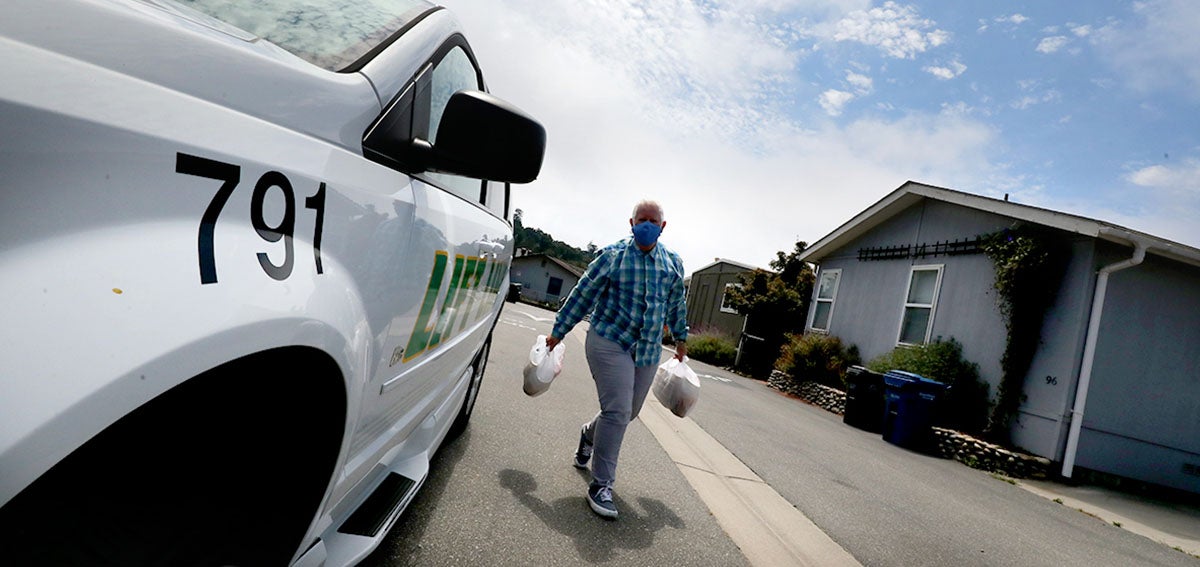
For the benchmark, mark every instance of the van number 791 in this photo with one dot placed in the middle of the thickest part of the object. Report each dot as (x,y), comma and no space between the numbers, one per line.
(230,175)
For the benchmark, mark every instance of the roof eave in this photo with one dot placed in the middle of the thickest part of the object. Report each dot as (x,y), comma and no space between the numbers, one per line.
(912,192)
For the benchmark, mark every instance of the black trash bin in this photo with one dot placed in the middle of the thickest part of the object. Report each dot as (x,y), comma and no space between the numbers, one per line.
(911,402)
(864,399)
(514,292)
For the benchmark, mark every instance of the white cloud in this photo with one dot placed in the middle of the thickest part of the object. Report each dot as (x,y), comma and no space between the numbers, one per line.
(1028,101)
(897,30)
(833,101)
(1159,199)
(632,112)
(698,68)
(1080,30)
(1052,44)
(1158,49)
(946,72)
(1183,177)
(862,84)
(1017,19)
(959,108)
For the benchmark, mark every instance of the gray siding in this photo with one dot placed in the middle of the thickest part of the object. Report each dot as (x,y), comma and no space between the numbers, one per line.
(1143,408)
(870,296)
(534,273)
(1042,424)
(1142,418)
(704,300)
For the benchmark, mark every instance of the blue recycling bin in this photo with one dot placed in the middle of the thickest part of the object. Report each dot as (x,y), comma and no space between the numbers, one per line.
(911,404)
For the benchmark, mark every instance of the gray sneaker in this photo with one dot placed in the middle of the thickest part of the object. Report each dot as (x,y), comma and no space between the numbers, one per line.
(601,501)
(584,453)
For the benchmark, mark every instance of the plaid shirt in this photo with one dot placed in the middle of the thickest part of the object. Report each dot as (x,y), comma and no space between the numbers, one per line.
(630,294)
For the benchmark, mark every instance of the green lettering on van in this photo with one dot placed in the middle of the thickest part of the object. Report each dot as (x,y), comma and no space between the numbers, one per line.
(465,297)
(422,330)
(478,291)
(447,313)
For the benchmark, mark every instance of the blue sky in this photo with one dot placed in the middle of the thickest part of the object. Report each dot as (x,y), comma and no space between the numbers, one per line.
(761,122)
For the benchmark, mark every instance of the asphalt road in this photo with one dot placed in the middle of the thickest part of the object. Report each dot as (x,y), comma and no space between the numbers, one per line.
(505,493)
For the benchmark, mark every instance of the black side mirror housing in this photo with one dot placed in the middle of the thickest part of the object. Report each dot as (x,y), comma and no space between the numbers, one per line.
(480,136)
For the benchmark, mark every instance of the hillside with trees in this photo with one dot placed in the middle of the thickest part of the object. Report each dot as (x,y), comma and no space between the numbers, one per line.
(539,242)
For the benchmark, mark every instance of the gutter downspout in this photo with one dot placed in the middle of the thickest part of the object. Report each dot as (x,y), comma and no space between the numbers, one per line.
(1089,348)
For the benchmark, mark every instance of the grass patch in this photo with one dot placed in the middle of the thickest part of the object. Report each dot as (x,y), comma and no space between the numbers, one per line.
(1001,477)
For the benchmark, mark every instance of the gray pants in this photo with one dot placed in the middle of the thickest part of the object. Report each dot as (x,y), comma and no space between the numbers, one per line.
(622,388)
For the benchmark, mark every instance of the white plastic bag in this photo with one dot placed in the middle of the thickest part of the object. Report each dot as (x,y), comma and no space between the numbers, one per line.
(676,386)
(543,367)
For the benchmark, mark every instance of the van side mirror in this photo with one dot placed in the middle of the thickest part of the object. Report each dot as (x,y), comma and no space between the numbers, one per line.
(484,137)
(480,136)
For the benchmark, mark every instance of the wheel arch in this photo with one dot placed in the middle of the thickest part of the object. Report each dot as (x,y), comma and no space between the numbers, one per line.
(246,449)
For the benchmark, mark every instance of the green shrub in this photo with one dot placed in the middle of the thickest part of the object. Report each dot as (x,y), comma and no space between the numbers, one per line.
(816,357)
(711,346)
(966,406)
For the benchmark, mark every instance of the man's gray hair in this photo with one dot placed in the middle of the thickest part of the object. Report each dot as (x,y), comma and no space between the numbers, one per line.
(649,204)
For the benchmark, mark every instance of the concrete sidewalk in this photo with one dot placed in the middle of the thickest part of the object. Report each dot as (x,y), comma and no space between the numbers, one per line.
(1174,524)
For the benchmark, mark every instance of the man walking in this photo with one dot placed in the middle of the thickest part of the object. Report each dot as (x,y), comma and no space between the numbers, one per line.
(632,289)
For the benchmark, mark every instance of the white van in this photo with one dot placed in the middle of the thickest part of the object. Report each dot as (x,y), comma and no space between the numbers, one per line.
(251,256)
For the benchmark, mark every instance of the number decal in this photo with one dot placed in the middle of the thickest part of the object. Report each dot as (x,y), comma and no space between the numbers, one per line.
(317,203)
(231,174)
(274,233)
(221,171)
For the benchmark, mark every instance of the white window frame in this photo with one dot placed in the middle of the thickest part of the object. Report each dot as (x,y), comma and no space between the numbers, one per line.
(725,294)
(832,300)
(937,291)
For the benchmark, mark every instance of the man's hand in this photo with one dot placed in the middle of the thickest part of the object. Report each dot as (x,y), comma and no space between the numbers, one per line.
(680,350)
(552,341)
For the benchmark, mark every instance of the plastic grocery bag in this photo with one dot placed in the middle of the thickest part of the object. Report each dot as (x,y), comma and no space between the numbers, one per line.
(676,386)
(543,367)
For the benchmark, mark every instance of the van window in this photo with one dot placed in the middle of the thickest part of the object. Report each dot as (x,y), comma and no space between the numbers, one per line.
(453,73)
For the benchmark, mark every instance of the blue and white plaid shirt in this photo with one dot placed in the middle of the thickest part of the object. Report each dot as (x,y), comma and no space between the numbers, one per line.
(630,294)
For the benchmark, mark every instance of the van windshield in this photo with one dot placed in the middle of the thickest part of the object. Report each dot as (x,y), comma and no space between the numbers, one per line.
(332,34)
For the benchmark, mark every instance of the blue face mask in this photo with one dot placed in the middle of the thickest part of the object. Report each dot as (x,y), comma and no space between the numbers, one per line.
(646,233)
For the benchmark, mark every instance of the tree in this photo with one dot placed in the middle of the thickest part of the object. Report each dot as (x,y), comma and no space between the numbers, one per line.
(538,242)
(775,304)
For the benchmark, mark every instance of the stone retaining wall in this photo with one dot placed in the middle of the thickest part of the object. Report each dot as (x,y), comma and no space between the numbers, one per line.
(949,444)
(829,399)
(987,456)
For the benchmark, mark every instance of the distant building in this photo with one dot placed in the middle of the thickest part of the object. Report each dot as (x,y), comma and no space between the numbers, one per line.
(708,298)
(544,278)
(1115,383)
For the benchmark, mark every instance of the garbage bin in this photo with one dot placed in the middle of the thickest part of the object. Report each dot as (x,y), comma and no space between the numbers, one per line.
(864,399)
(514,292)
(910,408)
